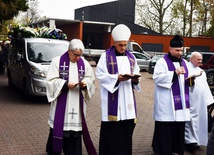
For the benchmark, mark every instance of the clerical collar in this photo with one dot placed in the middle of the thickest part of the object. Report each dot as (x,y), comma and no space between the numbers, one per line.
(118,53)
(174,59)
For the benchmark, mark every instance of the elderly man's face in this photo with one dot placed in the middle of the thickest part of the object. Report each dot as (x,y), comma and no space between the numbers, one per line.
(74,55)
(196,60)
(176,51)
(121,46)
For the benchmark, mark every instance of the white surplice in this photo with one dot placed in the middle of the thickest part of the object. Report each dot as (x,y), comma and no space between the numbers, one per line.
(126,109)
(164,110)
(196,130)
(54,86)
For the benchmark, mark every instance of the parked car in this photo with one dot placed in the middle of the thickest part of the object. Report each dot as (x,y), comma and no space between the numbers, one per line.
(142,60)
(94,54)
(153,61)
(207,65)
(135,47)
(187,56)
(28,62)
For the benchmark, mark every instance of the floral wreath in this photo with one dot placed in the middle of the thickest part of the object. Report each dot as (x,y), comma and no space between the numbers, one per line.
(20,31)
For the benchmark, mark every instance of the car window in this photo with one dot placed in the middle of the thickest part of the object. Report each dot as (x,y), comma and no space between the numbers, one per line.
(140,56)
(136,48)
(45,52)
(206,57)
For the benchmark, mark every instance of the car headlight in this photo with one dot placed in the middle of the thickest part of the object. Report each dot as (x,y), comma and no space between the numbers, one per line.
(37,71)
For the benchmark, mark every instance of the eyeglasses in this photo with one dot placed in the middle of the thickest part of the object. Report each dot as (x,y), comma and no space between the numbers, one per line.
(76,55)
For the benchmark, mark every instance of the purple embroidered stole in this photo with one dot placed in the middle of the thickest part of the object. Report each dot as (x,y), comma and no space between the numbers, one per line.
(86,136)
(175,85)
(113,69)
(61,106)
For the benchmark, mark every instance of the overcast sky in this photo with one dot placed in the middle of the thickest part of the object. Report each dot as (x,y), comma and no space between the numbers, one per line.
(64,8)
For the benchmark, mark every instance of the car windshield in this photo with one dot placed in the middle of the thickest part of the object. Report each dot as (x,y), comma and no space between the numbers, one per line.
(45,52)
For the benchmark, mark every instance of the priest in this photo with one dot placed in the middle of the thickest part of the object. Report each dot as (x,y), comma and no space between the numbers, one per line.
(70,85)
(118,103)
(196,130)
(171,101)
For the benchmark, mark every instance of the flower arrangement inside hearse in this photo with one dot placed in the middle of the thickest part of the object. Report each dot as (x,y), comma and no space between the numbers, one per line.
(20,31)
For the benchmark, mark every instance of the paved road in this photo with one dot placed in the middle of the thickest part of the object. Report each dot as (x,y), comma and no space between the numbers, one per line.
(24,129)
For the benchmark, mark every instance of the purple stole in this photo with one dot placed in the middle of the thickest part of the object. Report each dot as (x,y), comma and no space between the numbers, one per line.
(61,106)
(175,85)
(113,69)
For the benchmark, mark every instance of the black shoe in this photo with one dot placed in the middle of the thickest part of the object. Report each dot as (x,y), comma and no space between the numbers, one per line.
(191,147)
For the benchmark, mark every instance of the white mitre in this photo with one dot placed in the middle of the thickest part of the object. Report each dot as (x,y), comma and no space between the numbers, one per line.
(121,33)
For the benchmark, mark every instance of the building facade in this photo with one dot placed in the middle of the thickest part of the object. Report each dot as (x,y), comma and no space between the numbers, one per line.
(93,25)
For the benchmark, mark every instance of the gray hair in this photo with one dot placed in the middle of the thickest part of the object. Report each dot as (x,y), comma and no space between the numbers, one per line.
(76,44)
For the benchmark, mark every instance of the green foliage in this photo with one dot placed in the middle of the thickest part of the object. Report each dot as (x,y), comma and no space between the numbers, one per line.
(210,32)
(189,17)
(11,8)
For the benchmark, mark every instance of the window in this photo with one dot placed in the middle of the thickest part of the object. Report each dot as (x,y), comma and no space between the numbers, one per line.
(206,57)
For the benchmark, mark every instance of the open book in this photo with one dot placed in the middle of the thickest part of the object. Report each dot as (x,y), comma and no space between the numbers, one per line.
(132,76)
(195,75)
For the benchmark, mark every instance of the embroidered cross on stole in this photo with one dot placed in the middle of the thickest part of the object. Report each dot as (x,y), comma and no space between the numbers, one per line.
(113,69)
(61,106)
(175,85)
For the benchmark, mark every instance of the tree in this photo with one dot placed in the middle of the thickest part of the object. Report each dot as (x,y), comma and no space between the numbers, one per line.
(32,14)
(11,8)
(184,17)
(206,18)
(185,10)
(210,31)
(179,14)
(151,14)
